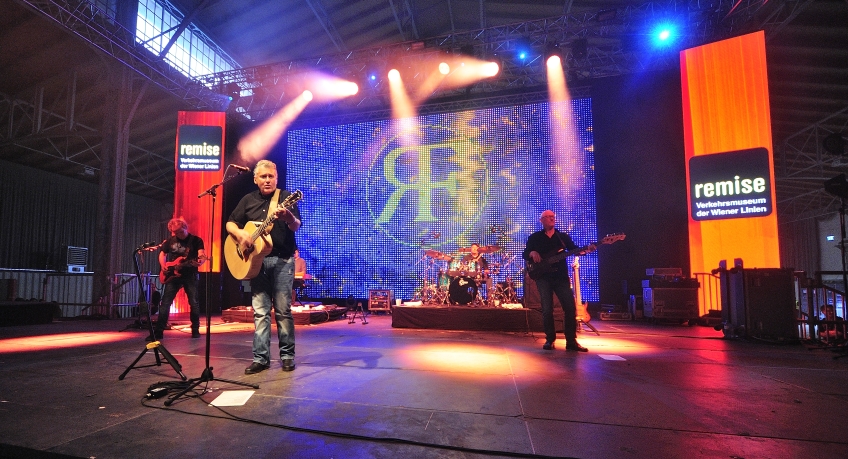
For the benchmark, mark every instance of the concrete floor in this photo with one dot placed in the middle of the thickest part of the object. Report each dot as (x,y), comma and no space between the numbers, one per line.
(368,390)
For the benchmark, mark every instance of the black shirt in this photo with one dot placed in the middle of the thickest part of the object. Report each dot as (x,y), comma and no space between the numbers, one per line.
(253,207)
(548,246)
(175,247)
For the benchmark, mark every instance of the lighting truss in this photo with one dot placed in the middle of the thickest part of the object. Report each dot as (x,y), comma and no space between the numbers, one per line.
(610,51)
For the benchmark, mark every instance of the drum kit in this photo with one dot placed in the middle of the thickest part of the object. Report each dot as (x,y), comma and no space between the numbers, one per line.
(464,280)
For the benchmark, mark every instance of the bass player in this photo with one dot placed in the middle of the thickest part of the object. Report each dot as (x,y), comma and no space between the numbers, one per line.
(541,244)
(179,257)
(272,286)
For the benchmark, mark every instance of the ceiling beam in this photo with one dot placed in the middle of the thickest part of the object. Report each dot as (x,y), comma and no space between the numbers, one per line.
(102,32)
(325,21)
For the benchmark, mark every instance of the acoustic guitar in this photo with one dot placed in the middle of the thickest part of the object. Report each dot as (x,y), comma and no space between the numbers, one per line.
(246,264)
(173,269)
(582,306)
(546,264)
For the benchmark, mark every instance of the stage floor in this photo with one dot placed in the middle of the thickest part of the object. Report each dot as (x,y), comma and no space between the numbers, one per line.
(368,390)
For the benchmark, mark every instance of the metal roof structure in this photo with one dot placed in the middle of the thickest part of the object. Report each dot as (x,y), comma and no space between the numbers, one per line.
(52,86)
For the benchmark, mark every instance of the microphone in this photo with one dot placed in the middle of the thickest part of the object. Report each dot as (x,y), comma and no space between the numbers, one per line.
(240,168)
(147,245)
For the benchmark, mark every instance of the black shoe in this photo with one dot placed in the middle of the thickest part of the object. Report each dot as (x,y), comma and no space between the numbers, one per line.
(254,368)
(575,347)
(548,345)
(195,333)
(288,364)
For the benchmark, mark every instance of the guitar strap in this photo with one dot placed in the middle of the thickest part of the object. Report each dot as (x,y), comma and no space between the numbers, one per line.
(272,208)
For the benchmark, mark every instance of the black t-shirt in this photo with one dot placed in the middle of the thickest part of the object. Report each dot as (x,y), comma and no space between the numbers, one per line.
(253,207)
(547,246)
(175,247)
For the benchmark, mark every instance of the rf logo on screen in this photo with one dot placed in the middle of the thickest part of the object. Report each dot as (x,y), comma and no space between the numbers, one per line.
(437,183)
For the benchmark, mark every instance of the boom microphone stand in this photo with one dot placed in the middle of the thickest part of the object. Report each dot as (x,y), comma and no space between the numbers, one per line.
(207,375)
(156,346)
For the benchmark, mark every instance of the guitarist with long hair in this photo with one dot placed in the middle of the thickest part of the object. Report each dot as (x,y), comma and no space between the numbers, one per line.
(544,245)
(179,258)
(272,285)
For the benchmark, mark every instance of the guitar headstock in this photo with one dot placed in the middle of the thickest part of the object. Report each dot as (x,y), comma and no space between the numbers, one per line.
(614,237)
(292,199)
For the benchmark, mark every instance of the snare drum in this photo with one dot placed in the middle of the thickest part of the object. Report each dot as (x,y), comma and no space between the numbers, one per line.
(462,290)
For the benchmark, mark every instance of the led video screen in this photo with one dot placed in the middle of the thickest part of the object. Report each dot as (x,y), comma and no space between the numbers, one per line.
(393,204)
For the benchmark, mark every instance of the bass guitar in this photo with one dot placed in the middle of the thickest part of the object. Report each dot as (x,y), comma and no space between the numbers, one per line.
(245,264)
(173,269)
(546,264)
(582,306)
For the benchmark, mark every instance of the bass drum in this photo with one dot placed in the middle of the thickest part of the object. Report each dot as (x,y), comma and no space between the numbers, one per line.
(462,290)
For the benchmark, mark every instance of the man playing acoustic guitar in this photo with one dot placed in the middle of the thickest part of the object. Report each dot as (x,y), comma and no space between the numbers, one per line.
(541,246)
(179,257)
(272,286)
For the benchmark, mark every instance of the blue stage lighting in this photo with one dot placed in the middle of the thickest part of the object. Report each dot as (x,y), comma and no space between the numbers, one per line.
(664,35)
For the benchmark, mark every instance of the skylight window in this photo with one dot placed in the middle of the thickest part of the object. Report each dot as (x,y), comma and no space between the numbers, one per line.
(194,54)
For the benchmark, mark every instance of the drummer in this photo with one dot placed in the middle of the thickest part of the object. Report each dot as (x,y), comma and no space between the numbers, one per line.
(482,265)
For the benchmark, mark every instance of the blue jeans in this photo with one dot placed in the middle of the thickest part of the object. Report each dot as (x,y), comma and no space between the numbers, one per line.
(272,288)
(547,286)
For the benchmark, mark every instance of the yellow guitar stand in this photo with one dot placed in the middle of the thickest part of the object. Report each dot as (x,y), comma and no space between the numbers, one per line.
(155,345)
(157,348)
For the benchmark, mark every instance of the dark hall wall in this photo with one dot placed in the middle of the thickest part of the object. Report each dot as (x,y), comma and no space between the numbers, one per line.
(640,179)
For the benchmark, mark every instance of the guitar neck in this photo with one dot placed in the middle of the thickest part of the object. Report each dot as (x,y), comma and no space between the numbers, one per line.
(563,255)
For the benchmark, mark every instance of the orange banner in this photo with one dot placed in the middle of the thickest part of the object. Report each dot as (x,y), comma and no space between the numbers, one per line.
(733,211)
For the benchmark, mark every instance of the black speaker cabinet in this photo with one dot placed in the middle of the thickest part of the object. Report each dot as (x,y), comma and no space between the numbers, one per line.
(531,295)
(770,304)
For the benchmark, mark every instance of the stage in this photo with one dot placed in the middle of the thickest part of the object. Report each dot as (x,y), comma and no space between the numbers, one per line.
(371,390)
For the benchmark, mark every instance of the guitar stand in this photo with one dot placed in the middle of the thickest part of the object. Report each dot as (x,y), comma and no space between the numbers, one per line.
(157,346)
(580,325)
(358,310)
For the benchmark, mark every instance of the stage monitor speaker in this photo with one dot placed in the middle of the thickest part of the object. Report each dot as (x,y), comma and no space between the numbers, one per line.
(770,304)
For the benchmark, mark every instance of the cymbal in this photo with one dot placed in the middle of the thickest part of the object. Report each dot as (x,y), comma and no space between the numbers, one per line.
(464,250)
(435,254)
(490,249)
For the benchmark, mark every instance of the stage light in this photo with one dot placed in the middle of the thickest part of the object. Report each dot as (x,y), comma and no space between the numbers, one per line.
(307,95)
(444,68)
(554,61)
(664,35)
(490,69)
(394,75)
(580,48)
(837,186)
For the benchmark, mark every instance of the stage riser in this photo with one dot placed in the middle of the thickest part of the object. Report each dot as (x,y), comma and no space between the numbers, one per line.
(472,319)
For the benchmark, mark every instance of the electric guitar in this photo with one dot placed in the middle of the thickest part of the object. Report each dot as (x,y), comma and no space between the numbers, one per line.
(582,306)
(173,269)
(245,264)
(546,264)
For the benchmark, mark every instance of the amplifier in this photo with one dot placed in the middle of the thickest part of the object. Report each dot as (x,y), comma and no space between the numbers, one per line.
(379,300)
(616,316)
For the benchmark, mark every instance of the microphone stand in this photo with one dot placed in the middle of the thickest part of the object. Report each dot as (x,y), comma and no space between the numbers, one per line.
(207,375)
(156,346)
